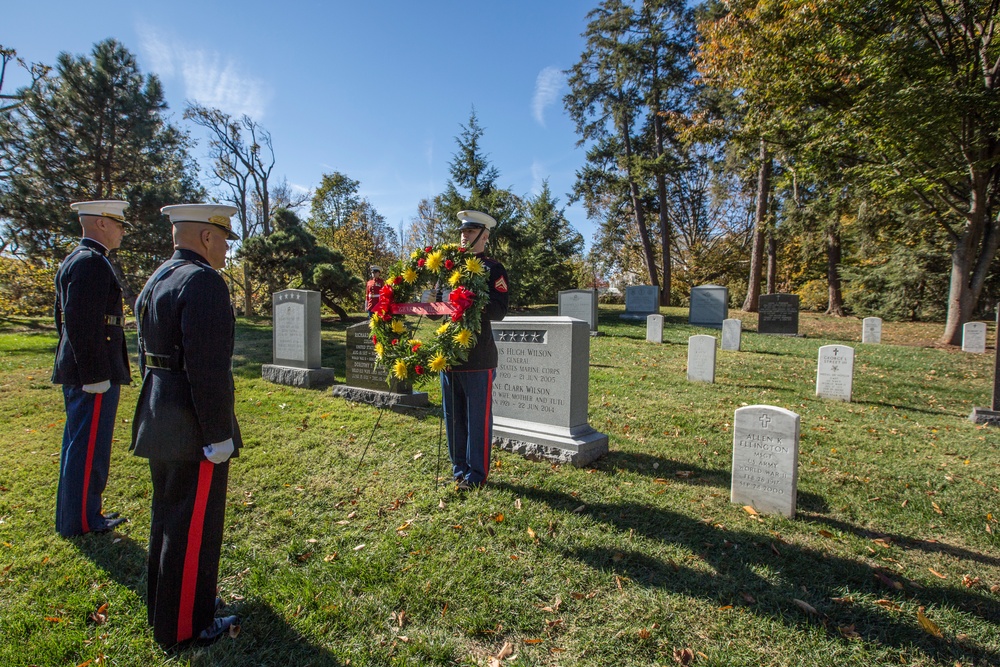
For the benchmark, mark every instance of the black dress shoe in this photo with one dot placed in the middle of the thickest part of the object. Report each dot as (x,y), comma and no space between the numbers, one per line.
(112,515)
(109,524)
(219,628)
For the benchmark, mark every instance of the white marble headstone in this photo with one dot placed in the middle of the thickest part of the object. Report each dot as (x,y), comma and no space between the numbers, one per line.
(835,372)
(654,328)
(974,337)
(732,333)
(701,358)
(766,459)
(871,330)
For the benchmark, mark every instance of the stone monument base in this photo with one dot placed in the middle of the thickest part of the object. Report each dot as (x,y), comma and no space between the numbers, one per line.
(985,416)
(297,377)
(576,446)
(388,399)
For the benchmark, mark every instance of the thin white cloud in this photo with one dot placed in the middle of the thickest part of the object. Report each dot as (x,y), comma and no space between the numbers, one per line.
(209,78)
(548,85)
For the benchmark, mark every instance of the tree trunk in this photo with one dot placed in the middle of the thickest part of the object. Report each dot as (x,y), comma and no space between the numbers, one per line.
(833,255)
(639,214)
(661,193)
(329,303)
(247,290)
(772,263)
(760,217)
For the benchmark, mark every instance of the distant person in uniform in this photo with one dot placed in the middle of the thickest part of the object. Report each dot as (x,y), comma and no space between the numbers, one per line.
(91,364)
(372,288)
(185,422)
(467,389)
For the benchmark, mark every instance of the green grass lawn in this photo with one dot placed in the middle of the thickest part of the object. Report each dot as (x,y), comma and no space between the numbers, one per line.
(638,559)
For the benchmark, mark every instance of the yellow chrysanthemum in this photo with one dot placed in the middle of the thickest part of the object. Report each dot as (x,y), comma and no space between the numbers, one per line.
(441,329)
(372,322)
(415,254)
(397,325)
(439,363)
(434,261)
(463,337)
(415,343)
(409,275)
(379,349)
(399,370)
(474,266)
(455,278)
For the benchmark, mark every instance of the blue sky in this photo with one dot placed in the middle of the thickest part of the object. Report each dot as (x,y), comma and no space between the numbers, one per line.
(376,90)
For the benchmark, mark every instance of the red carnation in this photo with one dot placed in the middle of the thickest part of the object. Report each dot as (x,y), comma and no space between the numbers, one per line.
(416,346)
(418,369)
(429,248)
(395,341)
(397,280)
(448,264)
(421,262)
(462,249)
(374,339)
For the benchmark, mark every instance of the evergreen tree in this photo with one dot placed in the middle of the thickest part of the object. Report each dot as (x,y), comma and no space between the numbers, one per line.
(552,245)
(94,130)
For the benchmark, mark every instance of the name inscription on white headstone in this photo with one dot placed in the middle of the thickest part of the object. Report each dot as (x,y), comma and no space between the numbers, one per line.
(528,383)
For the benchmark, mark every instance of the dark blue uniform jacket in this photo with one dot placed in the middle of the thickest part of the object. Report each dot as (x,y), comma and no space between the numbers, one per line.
(186,319)
(88,294)
(484,354)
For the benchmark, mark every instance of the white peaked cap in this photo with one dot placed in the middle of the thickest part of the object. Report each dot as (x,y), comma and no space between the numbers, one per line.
(102,208)
(209,214)
(476,219)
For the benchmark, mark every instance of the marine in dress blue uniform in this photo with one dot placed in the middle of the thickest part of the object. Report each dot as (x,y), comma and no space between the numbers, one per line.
(467,389)
(91,364)
(185,422)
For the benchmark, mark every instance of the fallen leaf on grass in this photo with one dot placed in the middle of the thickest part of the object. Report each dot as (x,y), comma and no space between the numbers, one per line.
(968,581)
(532,535)
(888,604)
(644,633)
(805,606)
(683,656)
(554,607)
(937,574)
(554,622)
(726,607)
(100,617)
(889,582)
(359,547)
(303,557)
(234,631)
(506,650)
(330,557)
(826,533)
(498,518)
(533,641)
(937,508)
(751,511)
(885,544)
(404,526)
(417,455)
(929,626)
(848,632)
(579,509)
(684,474)
(53,619)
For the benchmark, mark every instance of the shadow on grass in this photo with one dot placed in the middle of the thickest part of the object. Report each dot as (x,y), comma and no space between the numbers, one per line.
(735,560)
(265,640)
(121,557)
(685,473)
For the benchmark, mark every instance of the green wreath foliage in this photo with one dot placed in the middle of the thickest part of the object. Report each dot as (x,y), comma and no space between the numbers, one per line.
(448,266)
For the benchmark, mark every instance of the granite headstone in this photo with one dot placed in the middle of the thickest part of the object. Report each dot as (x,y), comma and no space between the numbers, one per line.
(766,459)
(778,314)
(835,372)
(871,330)
(640,301)
(709,306)
(732,334)
(541,390)
(366,380)
(295,334)
(974,337)
(654,328)
(701,358)
(580,304)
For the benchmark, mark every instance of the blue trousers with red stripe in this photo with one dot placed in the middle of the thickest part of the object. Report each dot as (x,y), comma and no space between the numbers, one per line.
(468,416)
(85,459)
(185,542)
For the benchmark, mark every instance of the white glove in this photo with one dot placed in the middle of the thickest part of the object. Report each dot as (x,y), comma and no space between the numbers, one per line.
(219,452)
(97,387)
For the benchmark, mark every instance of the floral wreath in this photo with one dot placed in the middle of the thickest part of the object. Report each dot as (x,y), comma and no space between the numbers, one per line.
(413,360)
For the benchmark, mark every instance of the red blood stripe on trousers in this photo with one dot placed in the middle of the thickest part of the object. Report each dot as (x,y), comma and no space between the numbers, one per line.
(487,440)
(95,420)
(189,578)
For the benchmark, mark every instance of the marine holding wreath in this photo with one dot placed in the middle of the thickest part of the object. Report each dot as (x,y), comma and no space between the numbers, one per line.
(462,350)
